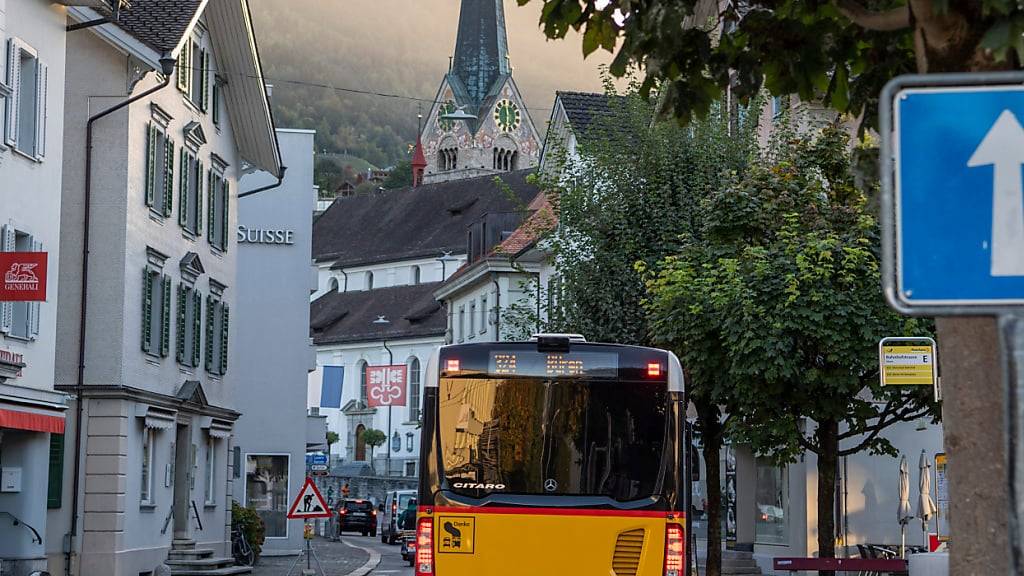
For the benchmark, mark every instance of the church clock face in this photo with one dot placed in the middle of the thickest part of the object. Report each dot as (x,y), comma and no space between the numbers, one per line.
(506,115)
(446,108)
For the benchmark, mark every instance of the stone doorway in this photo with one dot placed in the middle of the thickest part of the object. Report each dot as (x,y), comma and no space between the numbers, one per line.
(183,450)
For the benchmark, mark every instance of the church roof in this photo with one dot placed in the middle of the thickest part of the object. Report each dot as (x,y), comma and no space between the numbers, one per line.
(481,48)
(414,222)
(338,317)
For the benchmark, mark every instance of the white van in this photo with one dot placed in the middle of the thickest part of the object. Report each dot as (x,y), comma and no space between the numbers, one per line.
(395,502)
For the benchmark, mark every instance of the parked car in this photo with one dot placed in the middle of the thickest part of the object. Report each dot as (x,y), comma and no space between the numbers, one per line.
(357,516)
(395,502)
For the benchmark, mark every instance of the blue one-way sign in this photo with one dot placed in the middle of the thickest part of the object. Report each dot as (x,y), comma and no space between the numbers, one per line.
(958,155)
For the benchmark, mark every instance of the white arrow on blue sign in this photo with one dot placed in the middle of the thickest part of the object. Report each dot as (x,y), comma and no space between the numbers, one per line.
(959,152)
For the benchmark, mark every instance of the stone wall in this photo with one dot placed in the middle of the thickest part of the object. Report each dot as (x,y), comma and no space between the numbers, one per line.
(369,487)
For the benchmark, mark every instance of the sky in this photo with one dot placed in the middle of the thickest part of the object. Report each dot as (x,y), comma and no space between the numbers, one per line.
(402,46)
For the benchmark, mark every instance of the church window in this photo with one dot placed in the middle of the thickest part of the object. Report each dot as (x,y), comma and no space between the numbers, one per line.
(447,159)
(504,159)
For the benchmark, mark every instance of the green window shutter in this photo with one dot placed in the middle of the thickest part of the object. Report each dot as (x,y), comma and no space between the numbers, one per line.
(147,309)
(198,208)
(183,67)
(205,80)
(150,163)
(211,214)
(209,333)
(224,215)
(183,189)
(215,98)
(169,178)
(197,326)
(179,347)
(55,481)
(224,340)
(165,317)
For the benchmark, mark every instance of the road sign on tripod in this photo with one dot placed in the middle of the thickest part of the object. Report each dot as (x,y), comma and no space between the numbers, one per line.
(309,503)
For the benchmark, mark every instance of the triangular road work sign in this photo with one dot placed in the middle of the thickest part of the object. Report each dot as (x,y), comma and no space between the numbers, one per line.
(309,503)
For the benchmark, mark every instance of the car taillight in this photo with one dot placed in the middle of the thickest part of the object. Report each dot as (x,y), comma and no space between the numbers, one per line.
(374,512)
(674,550)
(342,512)
(425,547)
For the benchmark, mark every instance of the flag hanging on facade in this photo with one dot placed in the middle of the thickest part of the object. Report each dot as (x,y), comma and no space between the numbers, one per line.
(331,386)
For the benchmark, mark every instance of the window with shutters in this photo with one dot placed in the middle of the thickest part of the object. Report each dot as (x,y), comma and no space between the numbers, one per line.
(55,481)
(483,314)
(472,319)
(25,108)
(190,195)
(462,323)
(156,312)
(217,194)
(194,73)
(217,314)
(414,389)
(189,326)
(19,319)
(159,170)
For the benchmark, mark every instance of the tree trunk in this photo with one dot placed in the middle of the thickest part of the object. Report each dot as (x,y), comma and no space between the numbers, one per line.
(710,427)
(828,457)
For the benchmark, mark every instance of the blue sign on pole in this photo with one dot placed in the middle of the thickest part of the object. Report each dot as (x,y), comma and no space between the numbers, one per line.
(316,458)
(958,154)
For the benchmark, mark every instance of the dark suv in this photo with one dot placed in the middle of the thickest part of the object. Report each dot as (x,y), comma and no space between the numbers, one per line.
(357,516)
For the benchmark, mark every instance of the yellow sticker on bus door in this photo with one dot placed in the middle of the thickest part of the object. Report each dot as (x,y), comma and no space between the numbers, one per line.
(455,534)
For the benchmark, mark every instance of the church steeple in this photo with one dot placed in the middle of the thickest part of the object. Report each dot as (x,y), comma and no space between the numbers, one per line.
(481,48)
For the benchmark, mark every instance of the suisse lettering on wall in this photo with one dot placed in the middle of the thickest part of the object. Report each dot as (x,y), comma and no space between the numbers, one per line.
(247,235)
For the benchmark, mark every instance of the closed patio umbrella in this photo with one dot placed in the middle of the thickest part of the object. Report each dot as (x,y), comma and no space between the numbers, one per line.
(925,504)
(904,514)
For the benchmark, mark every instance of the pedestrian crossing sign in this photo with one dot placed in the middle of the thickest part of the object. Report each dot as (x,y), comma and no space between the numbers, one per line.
(309,503)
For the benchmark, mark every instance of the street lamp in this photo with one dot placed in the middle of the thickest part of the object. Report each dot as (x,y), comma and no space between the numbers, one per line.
(459,114)
(383,322)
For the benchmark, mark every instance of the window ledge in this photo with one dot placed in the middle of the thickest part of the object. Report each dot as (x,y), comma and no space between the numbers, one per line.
(19,152)
(218,252)
(209,505)
(151,359)
(189,235)
(156,216)
(147,506)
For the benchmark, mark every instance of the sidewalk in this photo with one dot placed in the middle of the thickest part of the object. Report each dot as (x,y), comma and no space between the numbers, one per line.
(337,559)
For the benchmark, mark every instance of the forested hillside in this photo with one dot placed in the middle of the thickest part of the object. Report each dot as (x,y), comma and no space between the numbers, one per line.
(393,47)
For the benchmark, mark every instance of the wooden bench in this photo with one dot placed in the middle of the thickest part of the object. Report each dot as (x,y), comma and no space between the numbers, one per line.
(877,565)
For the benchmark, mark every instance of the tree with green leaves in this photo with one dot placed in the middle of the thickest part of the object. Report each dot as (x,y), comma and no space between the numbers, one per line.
(399,176)
(841,53)
(775,299)
(331,438)
(373,439)
(635,189)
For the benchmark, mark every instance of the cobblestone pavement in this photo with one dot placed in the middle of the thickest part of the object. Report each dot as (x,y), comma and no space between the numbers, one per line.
(337,559)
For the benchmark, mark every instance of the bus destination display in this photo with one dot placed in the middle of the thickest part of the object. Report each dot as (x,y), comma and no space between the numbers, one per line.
(554,364)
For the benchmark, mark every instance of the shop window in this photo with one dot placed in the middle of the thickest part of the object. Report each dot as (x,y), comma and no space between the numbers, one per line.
(209,492)
(266,491)
(772,499)
(146,474)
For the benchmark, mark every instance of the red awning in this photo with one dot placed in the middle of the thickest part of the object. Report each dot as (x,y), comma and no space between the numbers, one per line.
(33,421)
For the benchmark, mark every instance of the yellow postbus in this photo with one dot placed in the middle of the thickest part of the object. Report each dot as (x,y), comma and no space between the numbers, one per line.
(552,457)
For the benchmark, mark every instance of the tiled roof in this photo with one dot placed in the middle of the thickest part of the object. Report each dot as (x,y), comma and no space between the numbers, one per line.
(413,222)
(338,317)
(159,24)
(591,111)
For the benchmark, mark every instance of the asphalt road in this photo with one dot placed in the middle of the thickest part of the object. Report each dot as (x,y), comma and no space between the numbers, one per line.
(391,562)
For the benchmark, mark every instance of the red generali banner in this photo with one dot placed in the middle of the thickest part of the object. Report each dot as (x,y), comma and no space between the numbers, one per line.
(22,276)
(385,385)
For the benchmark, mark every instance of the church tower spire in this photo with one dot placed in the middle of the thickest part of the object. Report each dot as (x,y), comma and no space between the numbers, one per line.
(481,48)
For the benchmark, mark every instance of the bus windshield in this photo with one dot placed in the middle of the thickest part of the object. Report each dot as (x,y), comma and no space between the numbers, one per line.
(552,436)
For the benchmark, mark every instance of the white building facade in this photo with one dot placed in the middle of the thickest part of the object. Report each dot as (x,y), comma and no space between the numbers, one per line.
(150,310)
(32,413)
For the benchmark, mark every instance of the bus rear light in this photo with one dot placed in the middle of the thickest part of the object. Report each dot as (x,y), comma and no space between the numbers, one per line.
(453,365)
(653,369)
(425,545)
(674,550)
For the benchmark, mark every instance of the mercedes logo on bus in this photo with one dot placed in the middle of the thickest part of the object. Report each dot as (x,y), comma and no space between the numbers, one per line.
(550,485)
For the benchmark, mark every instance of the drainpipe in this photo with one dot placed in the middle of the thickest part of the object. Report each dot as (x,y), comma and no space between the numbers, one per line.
(345,274)
(497,308)
(167,65)
(280,178)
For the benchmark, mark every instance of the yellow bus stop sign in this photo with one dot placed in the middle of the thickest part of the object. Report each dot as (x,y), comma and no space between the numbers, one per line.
(907,364)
